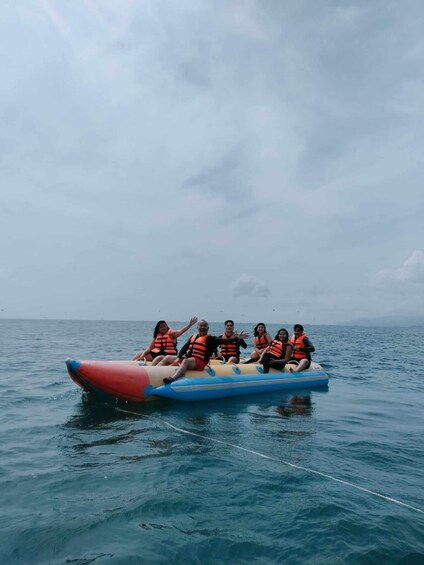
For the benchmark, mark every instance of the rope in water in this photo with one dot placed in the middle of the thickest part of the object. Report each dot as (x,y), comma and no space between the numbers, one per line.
(271,458)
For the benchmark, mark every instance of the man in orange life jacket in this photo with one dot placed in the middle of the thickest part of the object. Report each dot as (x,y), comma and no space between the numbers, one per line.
(302,349)
(195,353)
(230,351)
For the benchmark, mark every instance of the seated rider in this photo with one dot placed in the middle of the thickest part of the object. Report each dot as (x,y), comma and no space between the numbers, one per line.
(278,353)
(230,351)
(164,342)
(196,352)
(302,349)
(262,340)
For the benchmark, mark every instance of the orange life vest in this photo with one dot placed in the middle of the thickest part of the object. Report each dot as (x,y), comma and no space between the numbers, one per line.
(299,342)
(197,347)
(261,342)
(277,348)
(230,348)
(165,343)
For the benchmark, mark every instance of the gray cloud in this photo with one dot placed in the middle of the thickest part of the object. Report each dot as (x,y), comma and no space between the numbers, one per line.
(248,285)
(406,277)
(160,150)
(228,179)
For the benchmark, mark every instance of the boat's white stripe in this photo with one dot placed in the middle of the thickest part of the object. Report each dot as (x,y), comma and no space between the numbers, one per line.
(245,384)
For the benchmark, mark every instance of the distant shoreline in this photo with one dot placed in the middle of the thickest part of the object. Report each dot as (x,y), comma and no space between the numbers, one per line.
(384,322)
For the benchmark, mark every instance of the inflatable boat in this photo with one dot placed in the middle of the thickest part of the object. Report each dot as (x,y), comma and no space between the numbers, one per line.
(136,382)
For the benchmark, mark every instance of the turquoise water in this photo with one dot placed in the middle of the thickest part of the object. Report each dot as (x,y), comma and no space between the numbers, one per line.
(246,480)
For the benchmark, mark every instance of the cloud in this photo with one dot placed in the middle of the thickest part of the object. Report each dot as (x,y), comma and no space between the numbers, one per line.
(227,178)
(182,143)
(411,273)
(248,285)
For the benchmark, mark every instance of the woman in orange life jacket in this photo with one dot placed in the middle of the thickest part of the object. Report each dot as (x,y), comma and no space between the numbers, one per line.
(196,352)
(230,351)
(262,340)
(164,342)
(278,353)
(302,349)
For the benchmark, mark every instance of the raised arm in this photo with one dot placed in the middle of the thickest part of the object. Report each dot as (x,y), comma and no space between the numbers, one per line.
(177,333)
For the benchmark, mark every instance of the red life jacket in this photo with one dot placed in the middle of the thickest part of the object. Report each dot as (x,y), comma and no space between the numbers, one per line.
(299,342)
(229,348)
(165,343)
(277,348)
(261,342)
(197,347)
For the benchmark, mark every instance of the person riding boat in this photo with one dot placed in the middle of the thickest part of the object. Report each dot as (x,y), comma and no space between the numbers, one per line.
(262,340)
(196,352)
(278,353)
(164,342)
(302,349)
(230,350)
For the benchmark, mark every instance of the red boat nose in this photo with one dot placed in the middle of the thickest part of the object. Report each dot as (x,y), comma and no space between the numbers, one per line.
(115,379)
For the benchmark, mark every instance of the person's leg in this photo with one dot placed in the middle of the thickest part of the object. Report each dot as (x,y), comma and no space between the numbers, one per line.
(277,364)
(303,364)
(232,360)
(168,360)
(265,360)
(140,357)
(158,359)
(254,358)
(186,365)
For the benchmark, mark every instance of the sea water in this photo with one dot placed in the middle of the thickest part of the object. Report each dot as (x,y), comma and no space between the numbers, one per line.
(330,476)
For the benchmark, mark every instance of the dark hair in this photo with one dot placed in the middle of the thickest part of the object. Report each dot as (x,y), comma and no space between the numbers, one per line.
(228,321)
(156,330)
(298,326)
(282,330)
(255,331)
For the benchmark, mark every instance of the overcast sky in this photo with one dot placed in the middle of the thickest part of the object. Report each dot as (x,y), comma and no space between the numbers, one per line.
(255,160)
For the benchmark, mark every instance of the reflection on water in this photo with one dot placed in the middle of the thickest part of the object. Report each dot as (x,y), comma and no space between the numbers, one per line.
(297,406)
(96,429)
(124,432)
(90,413)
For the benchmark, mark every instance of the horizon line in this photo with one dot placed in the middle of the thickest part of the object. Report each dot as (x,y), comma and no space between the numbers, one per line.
(45,319)
(372,322)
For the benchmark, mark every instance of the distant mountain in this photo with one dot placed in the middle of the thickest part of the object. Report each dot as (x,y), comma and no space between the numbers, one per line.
(387,321)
